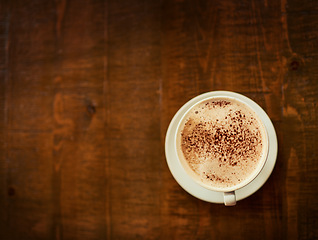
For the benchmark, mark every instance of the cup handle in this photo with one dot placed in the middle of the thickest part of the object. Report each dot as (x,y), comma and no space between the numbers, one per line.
(229,199)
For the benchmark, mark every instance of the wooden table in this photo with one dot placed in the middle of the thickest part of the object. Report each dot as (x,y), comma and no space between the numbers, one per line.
(88,89)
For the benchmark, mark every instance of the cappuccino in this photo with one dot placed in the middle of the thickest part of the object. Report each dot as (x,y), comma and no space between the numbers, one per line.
(222,143)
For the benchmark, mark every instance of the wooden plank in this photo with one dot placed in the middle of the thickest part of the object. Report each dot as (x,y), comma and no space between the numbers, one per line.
(27,151)
(136,150)
(4,45)
(80,181)
(300,117)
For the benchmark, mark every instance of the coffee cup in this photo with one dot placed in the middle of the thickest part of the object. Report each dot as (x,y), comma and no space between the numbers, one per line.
(221,142)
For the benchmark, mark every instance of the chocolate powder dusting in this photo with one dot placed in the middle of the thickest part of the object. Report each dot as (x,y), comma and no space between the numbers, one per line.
(222,146)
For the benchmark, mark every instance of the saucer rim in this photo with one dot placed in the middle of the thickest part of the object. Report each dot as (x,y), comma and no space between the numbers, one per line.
(198,191)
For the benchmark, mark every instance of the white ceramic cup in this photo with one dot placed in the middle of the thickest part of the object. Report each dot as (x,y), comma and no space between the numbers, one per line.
(228,193)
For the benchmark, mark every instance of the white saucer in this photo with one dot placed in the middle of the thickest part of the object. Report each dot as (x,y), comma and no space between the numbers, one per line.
(194,188)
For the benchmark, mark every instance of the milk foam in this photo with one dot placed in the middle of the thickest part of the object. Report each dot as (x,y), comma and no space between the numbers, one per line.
(221,142)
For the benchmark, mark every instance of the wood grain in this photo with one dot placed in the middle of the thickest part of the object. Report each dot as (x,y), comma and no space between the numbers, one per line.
(87,91)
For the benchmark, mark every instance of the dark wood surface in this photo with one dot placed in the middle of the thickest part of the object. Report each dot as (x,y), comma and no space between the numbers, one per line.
(87,91)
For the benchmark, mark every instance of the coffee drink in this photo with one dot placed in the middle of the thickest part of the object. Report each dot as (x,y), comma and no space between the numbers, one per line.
(222,143)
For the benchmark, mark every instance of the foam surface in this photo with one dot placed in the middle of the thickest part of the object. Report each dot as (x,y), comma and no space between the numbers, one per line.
(222,142)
